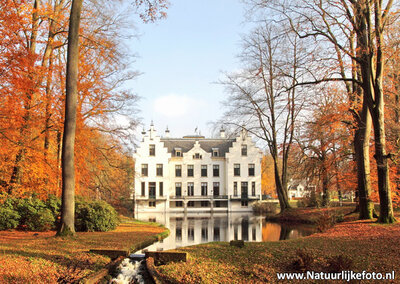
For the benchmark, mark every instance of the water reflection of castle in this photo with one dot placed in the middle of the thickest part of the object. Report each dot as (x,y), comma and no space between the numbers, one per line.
(193,229)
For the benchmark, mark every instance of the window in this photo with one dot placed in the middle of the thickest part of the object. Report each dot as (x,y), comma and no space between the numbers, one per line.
(204,189)
(235,191)
(159,170)
(178,203)
(204,203)
(190,189)
(197,156)
(216,188)
(178,152)
(253,233)
(143,188)
(145,170)
(178,189)
(253,188)
(236,170)
(244,150)
(190,170)
(152,190)
(152,204)
(244,190)
(245,203)
(216,170)
(191,204)
(178,170)
(251,170)
(203,170)
(215,152)
(161,188)
(152,150)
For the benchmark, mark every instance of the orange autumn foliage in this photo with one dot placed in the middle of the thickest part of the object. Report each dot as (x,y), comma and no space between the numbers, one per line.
(323,154)
(267,176)
(32,76)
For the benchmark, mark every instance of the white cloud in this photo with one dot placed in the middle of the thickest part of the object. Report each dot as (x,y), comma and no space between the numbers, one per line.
(177,106)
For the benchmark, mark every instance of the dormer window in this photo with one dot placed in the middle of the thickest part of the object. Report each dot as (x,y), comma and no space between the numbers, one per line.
(178,152)
(197,156)
(215,152)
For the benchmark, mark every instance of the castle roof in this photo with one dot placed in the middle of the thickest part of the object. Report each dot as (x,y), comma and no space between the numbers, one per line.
(186,144)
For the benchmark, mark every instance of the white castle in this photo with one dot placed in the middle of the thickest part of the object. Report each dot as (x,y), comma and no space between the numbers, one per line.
(195,173)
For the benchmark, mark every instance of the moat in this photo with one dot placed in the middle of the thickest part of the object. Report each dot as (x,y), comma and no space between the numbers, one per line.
(197,228)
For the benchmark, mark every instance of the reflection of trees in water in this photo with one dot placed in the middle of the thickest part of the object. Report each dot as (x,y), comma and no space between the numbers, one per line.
(285,232)
(276,231)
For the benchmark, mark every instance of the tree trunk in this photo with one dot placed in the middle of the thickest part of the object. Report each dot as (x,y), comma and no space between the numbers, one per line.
(370,44)
(67,226)
(325,188)
(361,149)
(281,189)
(385,199)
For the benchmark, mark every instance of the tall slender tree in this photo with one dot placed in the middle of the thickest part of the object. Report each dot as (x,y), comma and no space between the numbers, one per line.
(364,22)
(262,100)
(67,226)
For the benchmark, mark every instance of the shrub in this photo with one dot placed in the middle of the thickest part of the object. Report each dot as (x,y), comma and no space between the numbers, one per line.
(303,261)
(264,207)
(53,203)
(339,218)
(340,263)
(311,199)
(301,203)
(9,218)
(93,216)
(35,215)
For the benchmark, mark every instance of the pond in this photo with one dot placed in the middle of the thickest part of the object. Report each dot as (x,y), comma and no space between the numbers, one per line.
(198,228)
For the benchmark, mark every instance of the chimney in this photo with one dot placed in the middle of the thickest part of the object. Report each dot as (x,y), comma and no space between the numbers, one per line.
(167,135)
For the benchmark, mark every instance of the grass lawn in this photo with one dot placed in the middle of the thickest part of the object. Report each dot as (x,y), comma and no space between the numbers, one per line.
(370,246)
(40,257)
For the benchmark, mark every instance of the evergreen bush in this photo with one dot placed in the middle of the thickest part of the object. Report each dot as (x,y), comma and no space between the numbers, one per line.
(9,218)
(35,216)
(91,216)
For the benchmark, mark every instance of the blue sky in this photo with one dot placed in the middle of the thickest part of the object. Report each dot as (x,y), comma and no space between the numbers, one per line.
(181,58)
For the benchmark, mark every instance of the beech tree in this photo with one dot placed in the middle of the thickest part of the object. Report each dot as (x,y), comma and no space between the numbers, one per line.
(355,29)
(68,166)
(324,156)
(262,100)
(67,226)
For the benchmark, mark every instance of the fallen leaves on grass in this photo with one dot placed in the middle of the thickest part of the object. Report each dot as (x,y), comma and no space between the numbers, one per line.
(359,245)
(40,257)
